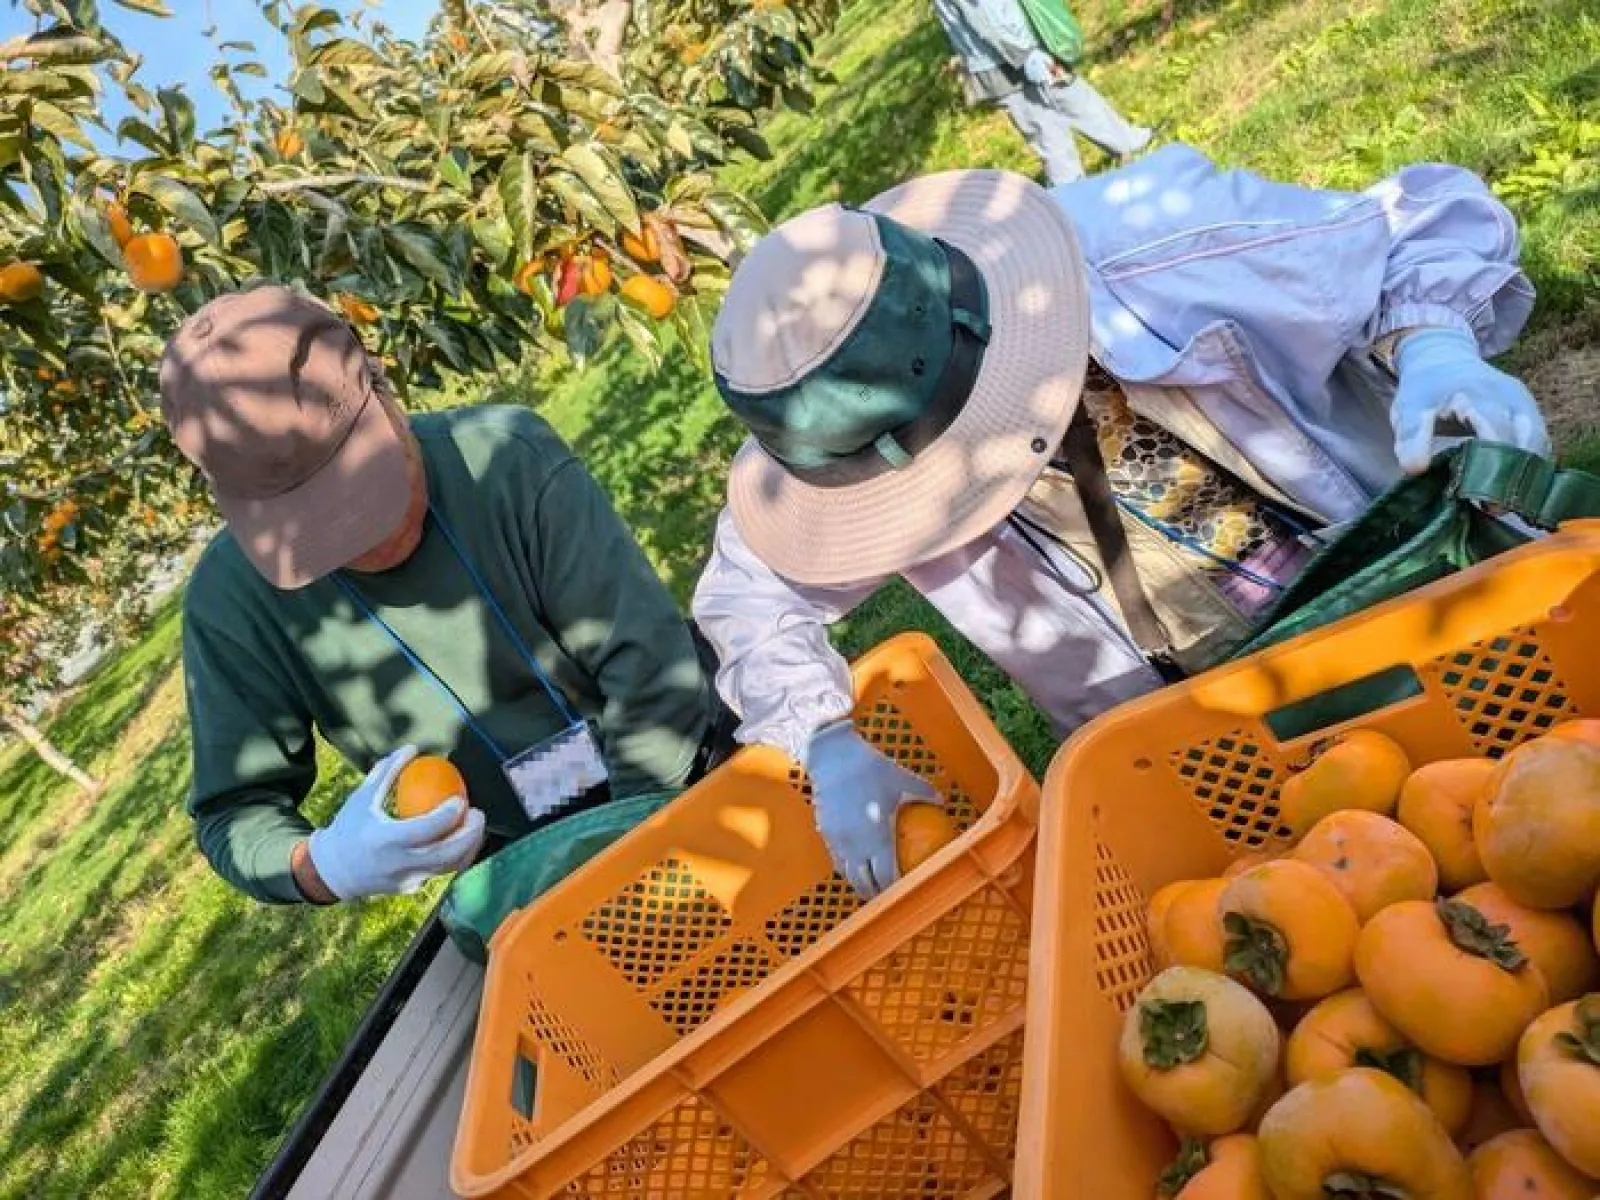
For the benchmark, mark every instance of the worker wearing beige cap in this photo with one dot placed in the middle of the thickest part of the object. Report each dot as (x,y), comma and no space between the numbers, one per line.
(454,582)
(1094,426)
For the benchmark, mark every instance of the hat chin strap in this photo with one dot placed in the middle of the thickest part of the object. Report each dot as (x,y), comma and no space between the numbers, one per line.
(895,448)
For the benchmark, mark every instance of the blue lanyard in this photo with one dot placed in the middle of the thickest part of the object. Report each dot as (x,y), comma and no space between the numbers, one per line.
(422,668)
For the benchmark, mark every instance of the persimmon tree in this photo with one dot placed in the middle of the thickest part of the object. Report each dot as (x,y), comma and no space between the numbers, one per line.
(466,201)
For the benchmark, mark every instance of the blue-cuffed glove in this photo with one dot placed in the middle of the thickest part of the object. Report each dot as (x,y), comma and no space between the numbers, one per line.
(364,851)
(856,792)
(1442,375)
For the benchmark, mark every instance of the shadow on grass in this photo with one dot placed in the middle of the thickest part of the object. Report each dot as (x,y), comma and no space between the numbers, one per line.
(875,129)
(1157,21)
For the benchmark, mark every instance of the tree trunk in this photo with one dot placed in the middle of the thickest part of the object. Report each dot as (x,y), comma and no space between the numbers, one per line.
(599,31)
(58,762)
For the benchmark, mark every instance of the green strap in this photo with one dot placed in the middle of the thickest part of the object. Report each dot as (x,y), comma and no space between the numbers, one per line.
(1526,484)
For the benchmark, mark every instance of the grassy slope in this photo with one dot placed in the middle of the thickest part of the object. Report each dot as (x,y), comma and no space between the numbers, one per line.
(159,1033)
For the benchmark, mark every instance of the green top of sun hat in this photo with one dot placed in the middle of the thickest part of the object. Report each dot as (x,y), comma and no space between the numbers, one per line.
(860,382)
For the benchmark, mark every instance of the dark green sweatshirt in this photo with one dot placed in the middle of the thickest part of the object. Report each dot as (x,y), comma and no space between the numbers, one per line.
(265,668)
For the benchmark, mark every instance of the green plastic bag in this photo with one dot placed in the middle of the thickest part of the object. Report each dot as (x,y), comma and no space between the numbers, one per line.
(483,896)
(1426,528)
(1056,29)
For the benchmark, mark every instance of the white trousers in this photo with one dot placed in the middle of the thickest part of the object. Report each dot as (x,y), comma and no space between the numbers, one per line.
(1047,118)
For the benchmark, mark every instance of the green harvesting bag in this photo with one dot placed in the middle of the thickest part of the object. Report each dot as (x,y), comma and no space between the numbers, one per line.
(1425,528)
(1057,30)
(483,896)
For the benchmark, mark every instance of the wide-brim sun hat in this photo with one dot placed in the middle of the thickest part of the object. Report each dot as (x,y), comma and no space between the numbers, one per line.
(907,369)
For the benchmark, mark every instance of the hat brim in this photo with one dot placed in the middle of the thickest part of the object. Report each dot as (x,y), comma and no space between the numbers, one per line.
(347,507)
(975,473)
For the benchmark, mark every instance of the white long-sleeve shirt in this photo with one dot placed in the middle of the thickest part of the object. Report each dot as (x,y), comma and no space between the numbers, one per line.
(1255,304)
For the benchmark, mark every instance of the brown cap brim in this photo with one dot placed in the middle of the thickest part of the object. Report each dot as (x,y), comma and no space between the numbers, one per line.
(982,466)
(348,507)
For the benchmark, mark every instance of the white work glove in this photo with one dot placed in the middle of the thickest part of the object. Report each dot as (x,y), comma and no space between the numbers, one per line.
(856,793)
(366,852)
(1443,376)
(1039,68)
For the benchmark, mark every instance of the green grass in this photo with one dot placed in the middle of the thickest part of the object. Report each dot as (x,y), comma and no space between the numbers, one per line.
(160,1033)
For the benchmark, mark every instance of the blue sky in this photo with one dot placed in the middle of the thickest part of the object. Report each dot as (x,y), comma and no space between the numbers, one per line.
(175,53)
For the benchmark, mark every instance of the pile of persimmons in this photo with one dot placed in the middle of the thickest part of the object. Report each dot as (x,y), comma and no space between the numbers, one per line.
(1406,1003)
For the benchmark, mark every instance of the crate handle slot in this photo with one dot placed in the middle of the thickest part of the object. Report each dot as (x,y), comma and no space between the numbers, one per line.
(1347,702)
(525,1086)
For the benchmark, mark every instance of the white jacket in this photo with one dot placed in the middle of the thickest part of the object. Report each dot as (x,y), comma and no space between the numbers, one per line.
(1218,298)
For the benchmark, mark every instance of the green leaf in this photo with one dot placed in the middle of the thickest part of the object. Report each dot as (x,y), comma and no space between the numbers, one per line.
(415,243)
(602,174)
(61,124)
(586,75)
(306,83)
(488,69)
(737,217)
(694,332)
(179,201)
(350,102)
(494,238)
(519,188)
(641,335)
(153,7)
(58,83)
(178,111)
(312,18)
(585,331)
(455,168)
(749,141)
(345,52)
(448,340)
(61,45)
(131,129)
(536,133)
(91,220)
(581,204)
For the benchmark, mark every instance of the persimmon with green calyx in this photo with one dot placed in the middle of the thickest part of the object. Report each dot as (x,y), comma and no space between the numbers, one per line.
(1558,1063)
(1455,984)
(1228,1169)
(1288,932)
(1199,1050)
(1360,1135)
(1556,942)
(1346,1031)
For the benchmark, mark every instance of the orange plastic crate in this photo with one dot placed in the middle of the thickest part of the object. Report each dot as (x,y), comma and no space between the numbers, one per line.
(1175,785)
(706,1010)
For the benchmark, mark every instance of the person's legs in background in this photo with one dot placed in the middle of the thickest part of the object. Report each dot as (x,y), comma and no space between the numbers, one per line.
(1091,114)
(1048,132)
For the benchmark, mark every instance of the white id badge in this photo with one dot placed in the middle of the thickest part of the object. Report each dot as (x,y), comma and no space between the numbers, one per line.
(556,771)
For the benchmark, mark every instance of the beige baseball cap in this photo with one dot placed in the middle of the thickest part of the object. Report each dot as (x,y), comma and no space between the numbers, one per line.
(271,396)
